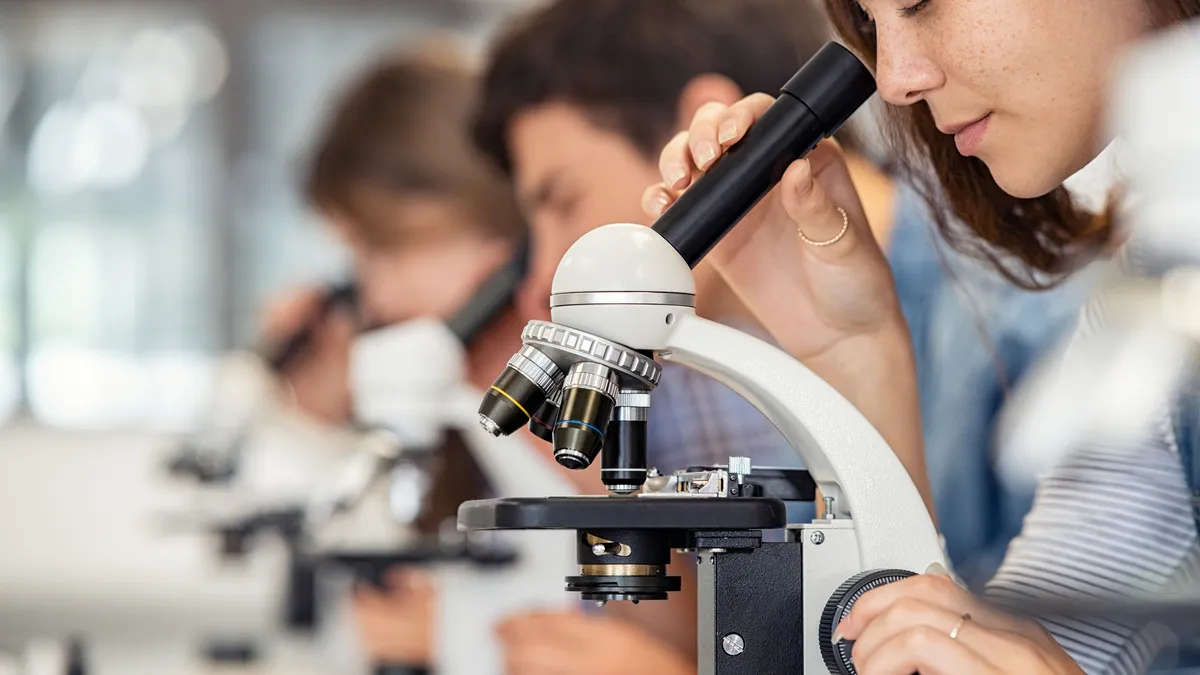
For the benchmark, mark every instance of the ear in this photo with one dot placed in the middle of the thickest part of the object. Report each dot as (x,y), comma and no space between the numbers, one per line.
(707,88)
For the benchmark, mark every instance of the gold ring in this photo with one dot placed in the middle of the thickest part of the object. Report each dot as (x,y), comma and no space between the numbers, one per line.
(962,620)
(828,242)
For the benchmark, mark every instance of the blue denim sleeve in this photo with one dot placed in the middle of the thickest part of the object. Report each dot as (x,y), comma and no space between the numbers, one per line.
(974,337)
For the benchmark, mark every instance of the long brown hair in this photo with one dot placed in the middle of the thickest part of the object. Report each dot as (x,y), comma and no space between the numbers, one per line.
(1032,242)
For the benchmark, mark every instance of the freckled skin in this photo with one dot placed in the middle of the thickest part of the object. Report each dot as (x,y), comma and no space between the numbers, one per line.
(1040,67)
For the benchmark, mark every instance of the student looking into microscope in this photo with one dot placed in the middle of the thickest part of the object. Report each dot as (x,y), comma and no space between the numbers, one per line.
(578,122)
(996,106)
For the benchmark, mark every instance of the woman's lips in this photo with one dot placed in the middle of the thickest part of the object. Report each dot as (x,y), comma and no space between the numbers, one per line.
(969,138)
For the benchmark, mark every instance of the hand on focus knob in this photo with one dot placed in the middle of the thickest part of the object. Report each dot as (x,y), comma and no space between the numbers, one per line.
(906,627)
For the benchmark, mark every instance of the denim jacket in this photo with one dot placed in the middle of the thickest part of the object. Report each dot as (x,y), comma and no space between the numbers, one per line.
(1187,434)
(975,336)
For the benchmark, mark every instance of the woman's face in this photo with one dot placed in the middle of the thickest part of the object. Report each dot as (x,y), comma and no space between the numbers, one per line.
(1021,84)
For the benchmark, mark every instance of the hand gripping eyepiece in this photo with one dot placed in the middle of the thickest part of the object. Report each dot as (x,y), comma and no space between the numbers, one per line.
(813,105)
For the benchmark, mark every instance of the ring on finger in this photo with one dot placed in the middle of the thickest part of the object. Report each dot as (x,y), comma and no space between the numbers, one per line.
(827,242)
(962,620)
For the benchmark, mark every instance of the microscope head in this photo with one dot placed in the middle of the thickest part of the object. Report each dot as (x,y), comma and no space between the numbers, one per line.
(625,282)
(588,394)
(621,291)
(401,377)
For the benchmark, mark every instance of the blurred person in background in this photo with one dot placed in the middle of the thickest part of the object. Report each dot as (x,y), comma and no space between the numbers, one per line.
(426,223)
(428,220)
(394,174)
(578,100)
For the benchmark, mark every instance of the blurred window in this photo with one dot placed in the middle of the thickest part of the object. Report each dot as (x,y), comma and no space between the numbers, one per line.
(149,203)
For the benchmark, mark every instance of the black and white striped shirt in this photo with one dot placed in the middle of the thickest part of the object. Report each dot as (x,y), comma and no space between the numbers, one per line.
(1107,522)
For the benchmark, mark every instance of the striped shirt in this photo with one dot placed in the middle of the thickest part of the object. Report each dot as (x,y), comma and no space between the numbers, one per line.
(1107,522)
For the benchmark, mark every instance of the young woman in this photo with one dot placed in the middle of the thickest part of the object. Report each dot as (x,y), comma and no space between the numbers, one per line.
(1004,100)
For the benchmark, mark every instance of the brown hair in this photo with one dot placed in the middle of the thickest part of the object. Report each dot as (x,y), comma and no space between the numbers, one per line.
(627,62)
(1035,242)
(402,128)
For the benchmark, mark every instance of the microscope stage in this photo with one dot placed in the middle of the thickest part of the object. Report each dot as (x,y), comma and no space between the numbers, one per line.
(642,513)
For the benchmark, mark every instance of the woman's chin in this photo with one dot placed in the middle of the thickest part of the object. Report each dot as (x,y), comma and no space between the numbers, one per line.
(1023,180)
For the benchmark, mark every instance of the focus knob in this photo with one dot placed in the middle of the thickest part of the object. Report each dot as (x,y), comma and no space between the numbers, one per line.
(838,658)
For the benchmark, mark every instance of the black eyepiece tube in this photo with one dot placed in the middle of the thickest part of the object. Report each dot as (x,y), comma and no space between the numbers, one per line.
(491,299)
(623,460)
(812,105)
(284,355)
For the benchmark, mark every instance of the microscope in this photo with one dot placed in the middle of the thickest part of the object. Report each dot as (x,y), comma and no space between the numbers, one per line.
(413,403)
(623,295)
(243,394)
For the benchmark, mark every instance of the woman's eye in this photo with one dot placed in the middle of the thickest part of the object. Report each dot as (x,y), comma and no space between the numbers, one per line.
(913,10)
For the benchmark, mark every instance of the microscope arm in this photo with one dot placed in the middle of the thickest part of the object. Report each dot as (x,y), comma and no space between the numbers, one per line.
(846,456)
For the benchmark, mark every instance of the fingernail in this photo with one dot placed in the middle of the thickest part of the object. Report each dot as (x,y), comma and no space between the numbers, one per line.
(660,205)
(937,569)
(705,154)
(727,132)
(676,175)
(838,637)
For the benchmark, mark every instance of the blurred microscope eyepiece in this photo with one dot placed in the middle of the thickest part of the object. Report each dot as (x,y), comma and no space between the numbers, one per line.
(529,379)
(589,396)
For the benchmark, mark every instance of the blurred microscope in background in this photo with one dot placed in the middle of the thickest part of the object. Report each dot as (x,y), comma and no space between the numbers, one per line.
(257,526)
(149,204)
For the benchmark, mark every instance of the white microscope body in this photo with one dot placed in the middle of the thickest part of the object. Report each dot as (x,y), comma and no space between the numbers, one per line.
(627,284)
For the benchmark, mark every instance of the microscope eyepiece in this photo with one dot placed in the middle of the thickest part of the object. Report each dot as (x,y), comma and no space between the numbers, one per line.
(812,106)
(589,396)
(529,379)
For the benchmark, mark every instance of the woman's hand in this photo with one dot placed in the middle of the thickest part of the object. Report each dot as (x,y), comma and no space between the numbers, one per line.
(395,625)
(554,643)
(834,306)
(906,627)
(811,298)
